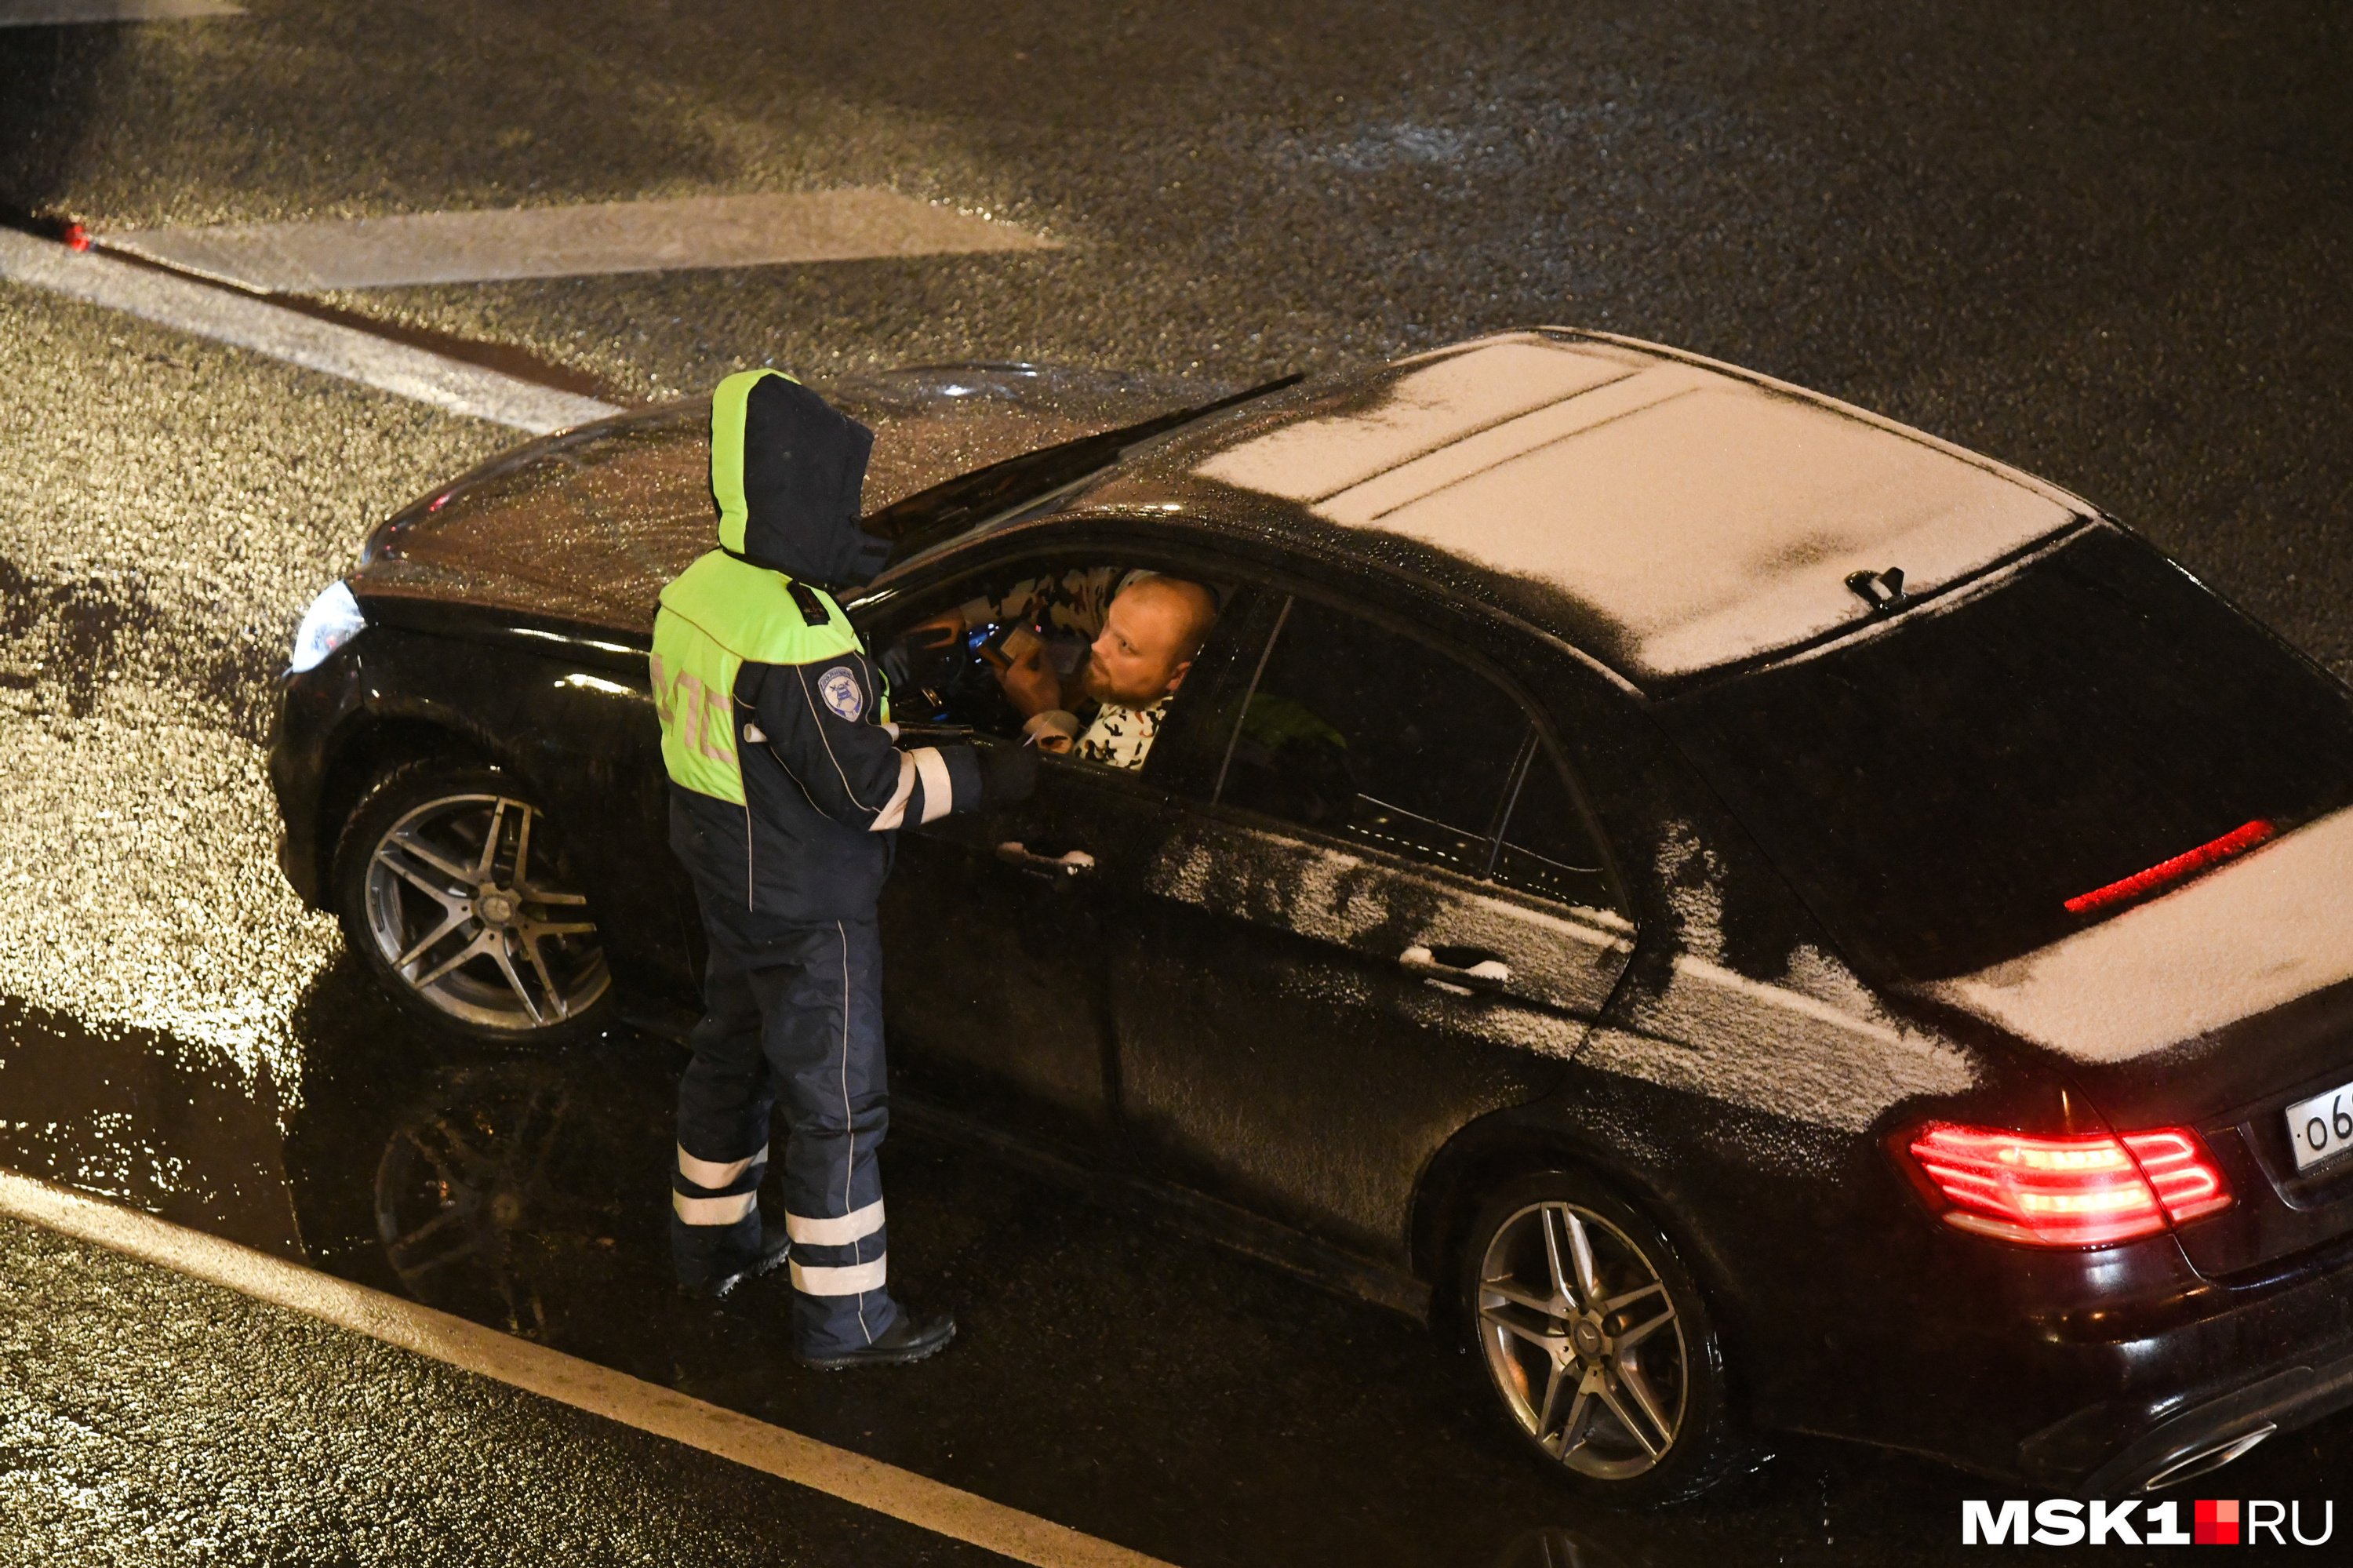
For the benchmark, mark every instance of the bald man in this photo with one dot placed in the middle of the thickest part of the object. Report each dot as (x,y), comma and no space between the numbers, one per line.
(1151,635)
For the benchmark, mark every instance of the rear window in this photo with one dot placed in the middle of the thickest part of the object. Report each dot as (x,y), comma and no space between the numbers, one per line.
(1938,793)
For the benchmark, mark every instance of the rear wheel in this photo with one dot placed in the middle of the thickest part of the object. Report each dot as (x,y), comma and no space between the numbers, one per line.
(453,888)
(1597,1343)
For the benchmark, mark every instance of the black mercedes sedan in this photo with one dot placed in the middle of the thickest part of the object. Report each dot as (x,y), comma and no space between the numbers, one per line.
(1755,917)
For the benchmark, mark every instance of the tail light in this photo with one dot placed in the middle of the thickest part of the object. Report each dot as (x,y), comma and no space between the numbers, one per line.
(2083,1191)
(2183,1173)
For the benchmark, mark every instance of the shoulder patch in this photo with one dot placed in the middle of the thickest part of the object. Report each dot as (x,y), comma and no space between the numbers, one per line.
(840,688)
(812,608)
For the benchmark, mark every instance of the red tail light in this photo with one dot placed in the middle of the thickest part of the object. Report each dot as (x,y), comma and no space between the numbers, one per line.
(2084,1190)
(2182,1171)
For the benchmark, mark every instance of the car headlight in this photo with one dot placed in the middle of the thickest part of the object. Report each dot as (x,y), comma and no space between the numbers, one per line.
(332,620)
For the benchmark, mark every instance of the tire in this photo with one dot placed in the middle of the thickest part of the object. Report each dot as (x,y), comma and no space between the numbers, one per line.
(499,948)
(1596,1344)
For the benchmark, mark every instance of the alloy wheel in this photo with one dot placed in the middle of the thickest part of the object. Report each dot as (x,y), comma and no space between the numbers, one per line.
(1582,1341)
(469,914)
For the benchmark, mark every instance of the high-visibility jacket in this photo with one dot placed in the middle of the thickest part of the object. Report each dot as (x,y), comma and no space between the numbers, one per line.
(786,776)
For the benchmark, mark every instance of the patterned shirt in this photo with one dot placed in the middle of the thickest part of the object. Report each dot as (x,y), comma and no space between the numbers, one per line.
(1074,601)
(1121,736)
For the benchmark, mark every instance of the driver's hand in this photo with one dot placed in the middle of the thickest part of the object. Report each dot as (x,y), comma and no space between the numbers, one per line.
(937,632)
(1031,683)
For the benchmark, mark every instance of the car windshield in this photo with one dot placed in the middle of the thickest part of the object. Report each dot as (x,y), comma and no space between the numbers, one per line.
(1939,793)
(949,511)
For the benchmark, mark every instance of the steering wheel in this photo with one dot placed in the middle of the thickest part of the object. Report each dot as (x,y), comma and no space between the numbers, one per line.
(948,682)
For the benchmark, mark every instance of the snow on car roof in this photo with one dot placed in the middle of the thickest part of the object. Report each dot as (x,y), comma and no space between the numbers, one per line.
(1709,517)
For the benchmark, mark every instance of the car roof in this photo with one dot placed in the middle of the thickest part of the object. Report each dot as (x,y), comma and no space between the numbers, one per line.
(1670,515)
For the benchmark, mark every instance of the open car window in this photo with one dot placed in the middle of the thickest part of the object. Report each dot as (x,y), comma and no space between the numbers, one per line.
(993,651)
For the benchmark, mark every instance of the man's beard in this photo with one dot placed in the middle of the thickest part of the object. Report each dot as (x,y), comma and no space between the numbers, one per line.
(1096,683)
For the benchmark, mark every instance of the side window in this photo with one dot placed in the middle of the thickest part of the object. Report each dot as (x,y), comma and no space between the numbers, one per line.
(1367,735)
(949,659)
(1079,659)
(1545,849)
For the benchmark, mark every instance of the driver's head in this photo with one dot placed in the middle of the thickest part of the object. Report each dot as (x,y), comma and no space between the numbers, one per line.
(1153,631)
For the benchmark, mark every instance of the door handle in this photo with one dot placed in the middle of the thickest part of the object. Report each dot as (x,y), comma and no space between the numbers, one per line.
(1475,972)
(1071,862)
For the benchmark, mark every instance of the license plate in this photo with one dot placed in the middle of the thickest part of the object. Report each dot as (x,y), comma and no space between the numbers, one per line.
(2322,1126)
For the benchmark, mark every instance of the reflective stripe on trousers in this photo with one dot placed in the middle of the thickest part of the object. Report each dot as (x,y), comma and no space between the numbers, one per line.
(792,1020)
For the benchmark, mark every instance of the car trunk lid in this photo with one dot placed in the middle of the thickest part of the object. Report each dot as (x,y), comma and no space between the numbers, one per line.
(2217,1006)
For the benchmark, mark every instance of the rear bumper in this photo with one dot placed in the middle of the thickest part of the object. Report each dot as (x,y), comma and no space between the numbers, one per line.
(2148,1447)
(2279,1358)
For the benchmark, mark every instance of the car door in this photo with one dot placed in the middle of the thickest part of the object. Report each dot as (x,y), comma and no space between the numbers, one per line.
(1383,916)
(997,925)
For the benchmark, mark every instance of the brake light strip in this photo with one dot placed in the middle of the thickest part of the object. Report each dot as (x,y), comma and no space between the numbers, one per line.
(2237,841)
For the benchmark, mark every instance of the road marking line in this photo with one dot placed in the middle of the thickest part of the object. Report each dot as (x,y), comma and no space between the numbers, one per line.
(257,325)
(756,230)
(870,1483)
(67,13)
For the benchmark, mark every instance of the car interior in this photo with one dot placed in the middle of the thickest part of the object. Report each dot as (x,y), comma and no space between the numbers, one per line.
(949,666)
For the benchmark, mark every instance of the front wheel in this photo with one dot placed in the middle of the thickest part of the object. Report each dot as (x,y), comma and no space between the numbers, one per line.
(1597,1343)
(453,888)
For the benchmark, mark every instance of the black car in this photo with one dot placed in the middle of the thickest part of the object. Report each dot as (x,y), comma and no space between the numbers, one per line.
(1766,920)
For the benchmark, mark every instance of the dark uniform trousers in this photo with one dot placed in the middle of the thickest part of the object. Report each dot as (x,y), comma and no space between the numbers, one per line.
(793,1011)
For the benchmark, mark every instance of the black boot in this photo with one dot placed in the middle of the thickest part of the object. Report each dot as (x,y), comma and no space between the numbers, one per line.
(907,1339)
(727,1270)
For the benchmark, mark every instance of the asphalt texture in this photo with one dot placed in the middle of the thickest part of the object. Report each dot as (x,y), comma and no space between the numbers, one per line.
(2108,243)
(148,1418)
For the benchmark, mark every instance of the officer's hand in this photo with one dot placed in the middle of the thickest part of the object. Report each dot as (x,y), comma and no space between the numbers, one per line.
(1008,773)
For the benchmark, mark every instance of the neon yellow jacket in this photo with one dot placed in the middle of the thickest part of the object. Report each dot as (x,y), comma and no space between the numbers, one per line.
(786,776)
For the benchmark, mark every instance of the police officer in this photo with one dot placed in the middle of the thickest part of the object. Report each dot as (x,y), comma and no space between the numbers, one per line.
(786,787)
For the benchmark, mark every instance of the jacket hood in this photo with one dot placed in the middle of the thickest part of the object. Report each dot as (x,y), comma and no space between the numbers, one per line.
(787,471)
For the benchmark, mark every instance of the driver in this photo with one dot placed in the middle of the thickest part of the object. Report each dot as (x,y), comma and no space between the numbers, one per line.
(1150,634)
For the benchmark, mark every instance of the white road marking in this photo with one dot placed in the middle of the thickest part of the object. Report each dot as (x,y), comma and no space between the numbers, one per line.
(265,328)
(65,13)
(569,241)
(870,1484)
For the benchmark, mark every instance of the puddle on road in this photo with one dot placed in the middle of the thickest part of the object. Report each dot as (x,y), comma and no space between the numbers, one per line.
(1108,1375)
(123,1116)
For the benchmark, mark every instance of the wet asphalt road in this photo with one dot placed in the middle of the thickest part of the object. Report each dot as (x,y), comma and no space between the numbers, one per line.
(150,1419)
(2111,246)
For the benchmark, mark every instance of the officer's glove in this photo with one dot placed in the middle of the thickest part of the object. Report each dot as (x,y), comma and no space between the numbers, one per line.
(1008,773)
